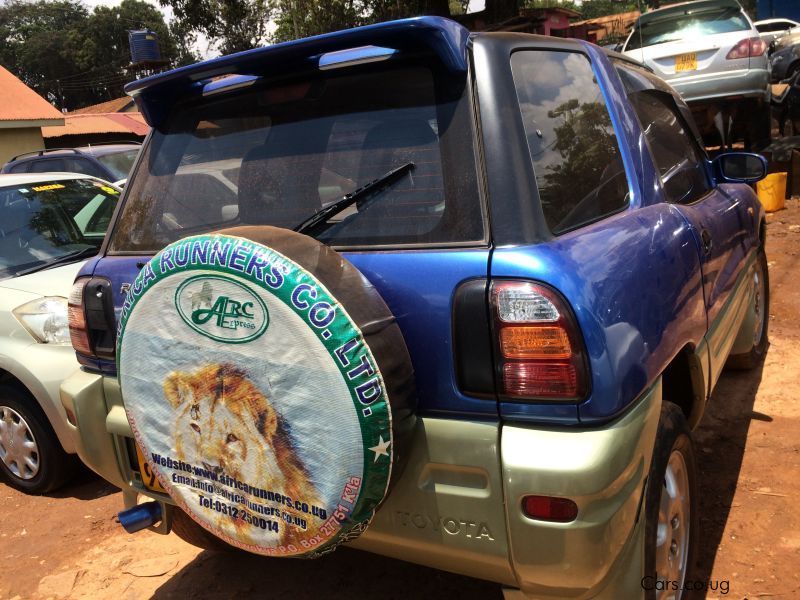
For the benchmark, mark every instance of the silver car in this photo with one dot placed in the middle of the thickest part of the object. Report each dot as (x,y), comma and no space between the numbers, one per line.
(712,54)
(50,223)
(772,29)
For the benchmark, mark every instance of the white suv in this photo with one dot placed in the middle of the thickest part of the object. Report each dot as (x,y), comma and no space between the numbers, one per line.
(50,223)
(712,54)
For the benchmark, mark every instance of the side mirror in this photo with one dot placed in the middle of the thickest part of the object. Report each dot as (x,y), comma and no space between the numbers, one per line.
(739,167)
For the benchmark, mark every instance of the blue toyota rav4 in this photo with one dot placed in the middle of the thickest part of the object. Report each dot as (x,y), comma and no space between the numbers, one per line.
(538,272)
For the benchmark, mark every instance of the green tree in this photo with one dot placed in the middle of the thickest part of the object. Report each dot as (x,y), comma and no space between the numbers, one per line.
(73,57)
(303,18)
(586,144)
(234,25)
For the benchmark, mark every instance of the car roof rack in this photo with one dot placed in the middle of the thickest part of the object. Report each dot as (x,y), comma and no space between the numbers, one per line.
(74,150)
(43,152)
(120,143)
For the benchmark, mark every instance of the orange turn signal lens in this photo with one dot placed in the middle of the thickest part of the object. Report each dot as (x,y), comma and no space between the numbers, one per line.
(535,342)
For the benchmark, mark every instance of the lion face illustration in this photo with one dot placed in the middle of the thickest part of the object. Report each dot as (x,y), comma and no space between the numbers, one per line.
(224,418)
(225,423)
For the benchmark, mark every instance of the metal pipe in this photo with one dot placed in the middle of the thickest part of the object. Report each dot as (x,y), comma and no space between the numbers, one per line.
(140,517)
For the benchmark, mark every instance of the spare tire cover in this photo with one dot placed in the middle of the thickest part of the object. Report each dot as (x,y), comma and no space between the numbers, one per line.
(268,385)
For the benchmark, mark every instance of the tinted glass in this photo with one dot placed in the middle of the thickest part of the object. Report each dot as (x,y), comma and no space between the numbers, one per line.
(779,26)
(84,166)
(576,160)
(19,168)
(274,155)
(678,158)
(688,27)
(47,220)
(51,165)
(119,163)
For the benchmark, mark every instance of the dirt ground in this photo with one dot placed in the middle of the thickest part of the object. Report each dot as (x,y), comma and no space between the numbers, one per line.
(69,546)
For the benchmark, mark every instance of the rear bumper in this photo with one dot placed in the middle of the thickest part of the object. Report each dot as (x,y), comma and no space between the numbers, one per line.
(458,504)
(744,83)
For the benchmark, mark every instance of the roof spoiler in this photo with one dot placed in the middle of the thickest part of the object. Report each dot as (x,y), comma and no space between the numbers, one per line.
(156,95)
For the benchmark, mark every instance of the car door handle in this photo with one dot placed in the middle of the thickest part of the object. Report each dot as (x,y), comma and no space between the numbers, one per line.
(707,241)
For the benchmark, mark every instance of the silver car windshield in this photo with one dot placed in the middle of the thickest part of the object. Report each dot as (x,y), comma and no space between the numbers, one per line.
(686,27)
(49,220)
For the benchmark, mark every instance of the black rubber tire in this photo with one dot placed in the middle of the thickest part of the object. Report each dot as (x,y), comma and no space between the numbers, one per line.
(750,360)
(369,324)
(190,532)
(758,128)
(673,435)
(56,466)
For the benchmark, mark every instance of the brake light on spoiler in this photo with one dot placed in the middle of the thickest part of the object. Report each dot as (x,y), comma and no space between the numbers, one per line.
(540,350)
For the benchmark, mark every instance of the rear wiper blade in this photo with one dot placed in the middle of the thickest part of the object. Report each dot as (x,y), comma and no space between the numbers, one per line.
(66,258)
(363,194)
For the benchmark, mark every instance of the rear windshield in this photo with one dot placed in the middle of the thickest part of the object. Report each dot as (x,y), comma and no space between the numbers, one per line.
(276,154)
(687,27)
(48,220)
(119,163)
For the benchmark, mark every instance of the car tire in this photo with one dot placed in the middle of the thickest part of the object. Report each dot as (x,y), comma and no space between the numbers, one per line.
(758,132)
(190,532)
(671,516)
(41,465)
(752,358)
(270,457)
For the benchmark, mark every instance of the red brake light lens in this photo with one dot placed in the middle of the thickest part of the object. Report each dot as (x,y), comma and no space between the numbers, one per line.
(78,332)
(757,46)
(545,380)
(746,48)
(540,348)
(548,508)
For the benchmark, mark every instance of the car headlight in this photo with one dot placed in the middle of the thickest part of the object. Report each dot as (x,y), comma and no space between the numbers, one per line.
(45,319)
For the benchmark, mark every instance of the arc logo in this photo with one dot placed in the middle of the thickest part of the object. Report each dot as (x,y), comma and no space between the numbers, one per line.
(221,308)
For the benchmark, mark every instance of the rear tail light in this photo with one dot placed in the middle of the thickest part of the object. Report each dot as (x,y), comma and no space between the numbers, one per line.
(540,349)
(757,46)
(548,508)
(78,333)
(90,313)
(746,48)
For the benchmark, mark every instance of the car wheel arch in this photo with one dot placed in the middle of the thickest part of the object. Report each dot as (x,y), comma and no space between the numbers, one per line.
(684,384)
(8,378)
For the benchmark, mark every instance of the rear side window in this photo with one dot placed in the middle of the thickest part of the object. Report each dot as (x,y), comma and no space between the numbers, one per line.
(19,168)
(576,159)
(678,158)
(82,165)
(47,166)
(692,25)
(276,154)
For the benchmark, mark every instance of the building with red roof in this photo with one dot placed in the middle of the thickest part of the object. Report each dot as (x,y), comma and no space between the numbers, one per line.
(23,113)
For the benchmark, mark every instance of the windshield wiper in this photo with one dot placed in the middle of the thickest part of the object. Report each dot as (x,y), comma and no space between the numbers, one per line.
(60,260)
(363,194)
